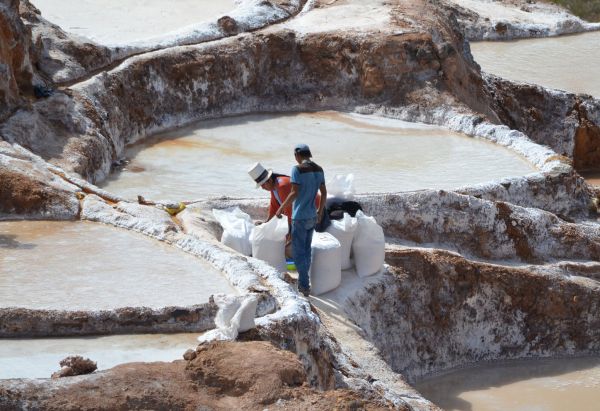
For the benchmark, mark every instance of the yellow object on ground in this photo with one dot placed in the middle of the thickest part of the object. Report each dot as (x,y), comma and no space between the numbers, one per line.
(175,210)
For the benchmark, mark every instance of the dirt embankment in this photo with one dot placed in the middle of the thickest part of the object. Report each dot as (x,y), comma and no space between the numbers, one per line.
(568,123)
(586,9)
(222,376)
(15,65)
(439,310)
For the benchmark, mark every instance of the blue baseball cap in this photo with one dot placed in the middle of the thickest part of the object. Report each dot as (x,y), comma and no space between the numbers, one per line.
(302,149)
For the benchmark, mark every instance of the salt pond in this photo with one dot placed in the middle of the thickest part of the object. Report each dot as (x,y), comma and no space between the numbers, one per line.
(121,22)
(39,358)
(592,178)
(76,265)
(540,385)
(567,63)
(212,157)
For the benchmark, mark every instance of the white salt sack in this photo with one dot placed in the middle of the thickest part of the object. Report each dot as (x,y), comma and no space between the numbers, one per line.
(326,265)
(268,242)
(368,246)
(235,315)
(341,187)
(344,230)
(237,227)
(244,317)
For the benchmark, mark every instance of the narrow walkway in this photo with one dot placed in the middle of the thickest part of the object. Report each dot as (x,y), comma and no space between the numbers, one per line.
(330,307)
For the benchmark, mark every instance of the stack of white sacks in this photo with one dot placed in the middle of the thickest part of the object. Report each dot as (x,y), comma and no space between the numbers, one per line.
(352,242)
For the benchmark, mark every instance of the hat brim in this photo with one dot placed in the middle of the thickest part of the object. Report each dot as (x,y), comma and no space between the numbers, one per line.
(265,179)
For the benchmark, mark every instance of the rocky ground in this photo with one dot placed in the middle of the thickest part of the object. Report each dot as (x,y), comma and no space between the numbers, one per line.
(222,376)
(502,270)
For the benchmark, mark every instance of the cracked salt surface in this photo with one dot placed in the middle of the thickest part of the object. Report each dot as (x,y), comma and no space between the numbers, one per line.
(39,358)
(121,22)
(212,157)
(567,63)
(87,266)
(497,11)
(349,15)
(540,385)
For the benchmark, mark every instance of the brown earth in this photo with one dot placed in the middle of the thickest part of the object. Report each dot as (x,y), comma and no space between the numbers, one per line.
(27,191)
(438,310)
(568,123)
(223,376)
(15,66)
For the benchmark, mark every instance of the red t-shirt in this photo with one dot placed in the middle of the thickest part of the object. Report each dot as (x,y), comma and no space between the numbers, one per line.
(281,192)
(278,196)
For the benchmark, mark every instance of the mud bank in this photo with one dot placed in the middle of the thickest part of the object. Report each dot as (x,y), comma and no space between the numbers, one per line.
(566,122)
(510,19)
(437,310)
(21,322)
(222,376)
(63,58)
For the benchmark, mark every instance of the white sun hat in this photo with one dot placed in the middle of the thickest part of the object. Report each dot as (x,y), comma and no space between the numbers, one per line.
(259,174)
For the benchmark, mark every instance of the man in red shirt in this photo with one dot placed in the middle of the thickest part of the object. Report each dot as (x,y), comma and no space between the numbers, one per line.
(278,185)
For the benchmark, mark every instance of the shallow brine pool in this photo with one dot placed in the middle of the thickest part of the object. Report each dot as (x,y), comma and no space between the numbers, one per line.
(527,385)
(122,22)
(90,266)
(39,358)
(212,157)
(592,177)
(567,63)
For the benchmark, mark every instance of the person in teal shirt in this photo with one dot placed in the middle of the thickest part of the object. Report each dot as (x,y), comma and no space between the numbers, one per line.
(307,179)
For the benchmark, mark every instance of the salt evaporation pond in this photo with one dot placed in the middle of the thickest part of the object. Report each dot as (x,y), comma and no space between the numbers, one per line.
(567,63)
(125,21)
(39,358)
(212,157)
(526,385)
(592,177)
(90,266)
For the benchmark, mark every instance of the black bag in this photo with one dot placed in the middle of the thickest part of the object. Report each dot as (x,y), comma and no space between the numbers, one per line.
(337,208)
(325,222)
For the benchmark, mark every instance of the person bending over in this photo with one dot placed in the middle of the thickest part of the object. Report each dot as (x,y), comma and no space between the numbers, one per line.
(279,185)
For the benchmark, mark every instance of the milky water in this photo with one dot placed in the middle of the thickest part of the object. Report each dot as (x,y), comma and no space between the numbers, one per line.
(39,358)
(569,63)
(77,265)
(212,157)
(123,21)
(528,385)
(592,177)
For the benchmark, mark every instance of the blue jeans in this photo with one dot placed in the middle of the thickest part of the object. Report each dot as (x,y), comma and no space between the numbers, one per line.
(302,233)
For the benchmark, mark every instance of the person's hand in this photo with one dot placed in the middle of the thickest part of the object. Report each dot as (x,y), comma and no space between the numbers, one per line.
(258,222)
(319,216)
(279,213)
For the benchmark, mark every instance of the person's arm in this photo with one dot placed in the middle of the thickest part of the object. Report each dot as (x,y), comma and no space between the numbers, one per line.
(289,200)
(273,206)
(323,190)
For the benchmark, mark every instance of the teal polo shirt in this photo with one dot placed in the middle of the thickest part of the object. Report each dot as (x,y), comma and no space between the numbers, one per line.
(308,177)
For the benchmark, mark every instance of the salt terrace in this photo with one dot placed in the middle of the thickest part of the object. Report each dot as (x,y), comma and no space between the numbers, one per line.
(492,235)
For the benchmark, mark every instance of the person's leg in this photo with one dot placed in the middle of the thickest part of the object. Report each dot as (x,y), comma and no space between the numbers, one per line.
(298,241)
(310,229)
(301,244)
